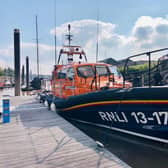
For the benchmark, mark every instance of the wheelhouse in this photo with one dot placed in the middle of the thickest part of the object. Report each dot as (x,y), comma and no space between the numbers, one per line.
(74,79)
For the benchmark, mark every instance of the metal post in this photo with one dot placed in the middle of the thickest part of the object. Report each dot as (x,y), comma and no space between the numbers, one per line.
(27,72)
(149,70)
(142,79)
(17,61)
(37,49)
(97,40)
(55,34)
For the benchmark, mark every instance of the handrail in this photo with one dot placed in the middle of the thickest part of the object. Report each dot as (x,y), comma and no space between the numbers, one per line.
(149,63)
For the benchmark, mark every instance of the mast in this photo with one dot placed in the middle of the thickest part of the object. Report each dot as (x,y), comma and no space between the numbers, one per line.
(55,33)
(37,47)
(97,35)
(69,36)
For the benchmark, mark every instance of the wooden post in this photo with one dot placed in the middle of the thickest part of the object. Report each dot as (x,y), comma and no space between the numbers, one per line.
(17,61)
(27,72)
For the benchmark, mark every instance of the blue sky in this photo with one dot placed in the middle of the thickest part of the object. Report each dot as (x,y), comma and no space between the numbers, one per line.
(122,23)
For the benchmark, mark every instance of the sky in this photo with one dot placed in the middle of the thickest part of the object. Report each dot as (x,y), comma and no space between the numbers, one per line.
(126,27)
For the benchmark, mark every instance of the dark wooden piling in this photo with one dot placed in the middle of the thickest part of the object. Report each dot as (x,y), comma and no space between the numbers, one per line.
(27,72)
(17,61)
(23,75)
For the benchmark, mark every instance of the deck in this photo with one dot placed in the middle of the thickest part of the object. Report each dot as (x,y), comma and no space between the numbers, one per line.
(39,138)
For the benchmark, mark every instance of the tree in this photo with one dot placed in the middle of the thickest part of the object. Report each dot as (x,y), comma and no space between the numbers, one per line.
(8,72)
(1,72)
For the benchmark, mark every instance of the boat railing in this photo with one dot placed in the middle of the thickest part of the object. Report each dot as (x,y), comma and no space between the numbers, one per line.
(148,54)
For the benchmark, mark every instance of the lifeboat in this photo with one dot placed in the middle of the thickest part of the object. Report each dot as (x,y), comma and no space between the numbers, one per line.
(97,94)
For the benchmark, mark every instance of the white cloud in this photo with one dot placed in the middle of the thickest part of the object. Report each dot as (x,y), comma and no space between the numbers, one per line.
(85,34)
(42,47)
(46,57)
(5,57)
(151,33)
(144,21)
(6,52)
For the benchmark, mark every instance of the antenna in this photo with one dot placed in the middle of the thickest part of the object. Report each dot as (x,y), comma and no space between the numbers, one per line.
(97,40)
(37,47)
(55,33)
(69,36)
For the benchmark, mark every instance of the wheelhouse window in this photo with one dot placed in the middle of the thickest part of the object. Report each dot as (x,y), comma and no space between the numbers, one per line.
(113,69)
(70,73)
(102,70)
(85,71)
(62,74)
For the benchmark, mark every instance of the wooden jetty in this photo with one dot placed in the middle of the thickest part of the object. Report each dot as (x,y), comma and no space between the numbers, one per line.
(39,138)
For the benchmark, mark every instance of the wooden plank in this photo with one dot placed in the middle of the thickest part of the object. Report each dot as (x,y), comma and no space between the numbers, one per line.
(39,138)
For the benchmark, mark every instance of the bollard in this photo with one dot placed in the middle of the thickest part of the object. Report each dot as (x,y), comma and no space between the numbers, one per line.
(6,110)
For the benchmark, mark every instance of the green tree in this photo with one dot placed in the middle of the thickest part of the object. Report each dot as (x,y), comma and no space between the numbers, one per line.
(8,72)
